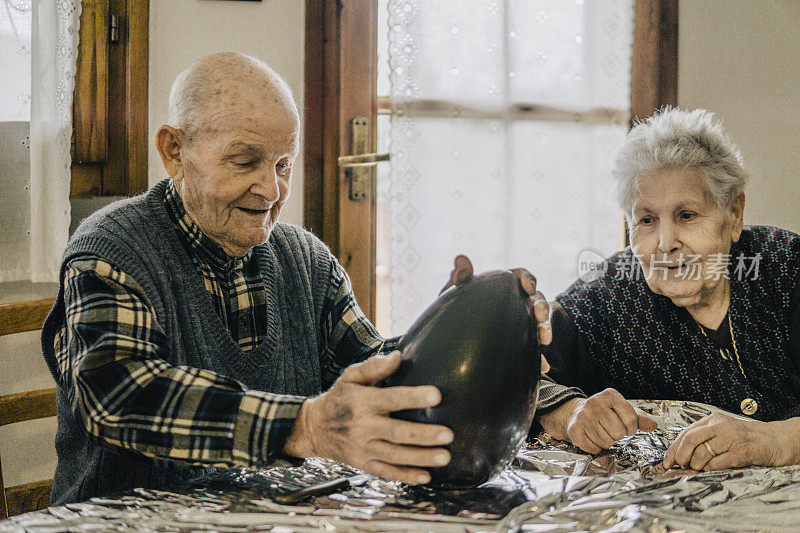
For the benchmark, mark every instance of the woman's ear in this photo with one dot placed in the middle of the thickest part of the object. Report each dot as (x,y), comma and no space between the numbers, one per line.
(168,142)
(737,217)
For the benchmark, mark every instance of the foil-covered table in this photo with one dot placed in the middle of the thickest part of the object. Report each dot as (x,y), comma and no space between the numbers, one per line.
(550,487)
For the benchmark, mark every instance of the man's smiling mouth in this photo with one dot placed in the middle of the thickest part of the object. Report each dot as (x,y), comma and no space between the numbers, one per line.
(253,211)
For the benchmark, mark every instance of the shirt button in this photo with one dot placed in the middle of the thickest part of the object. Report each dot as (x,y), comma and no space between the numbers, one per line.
(749,406)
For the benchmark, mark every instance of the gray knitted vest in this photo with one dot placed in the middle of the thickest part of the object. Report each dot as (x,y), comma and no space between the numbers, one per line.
(137,236)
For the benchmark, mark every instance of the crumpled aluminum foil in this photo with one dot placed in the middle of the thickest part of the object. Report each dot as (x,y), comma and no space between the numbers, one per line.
(551,486)
(625,489)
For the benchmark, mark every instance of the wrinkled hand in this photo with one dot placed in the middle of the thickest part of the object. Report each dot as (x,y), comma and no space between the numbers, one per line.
(594,424)
(734,442)
(350,423)
(462,272)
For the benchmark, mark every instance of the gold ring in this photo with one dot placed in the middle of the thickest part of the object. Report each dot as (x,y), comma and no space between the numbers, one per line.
(709,448)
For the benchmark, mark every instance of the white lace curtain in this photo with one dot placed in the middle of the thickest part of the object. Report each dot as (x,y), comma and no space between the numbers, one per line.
(38,50)
(506,116)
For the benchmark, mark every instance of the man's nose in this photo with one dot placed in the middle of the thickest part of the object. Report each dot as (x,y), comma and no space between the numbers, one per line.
(266,185)
(668,238)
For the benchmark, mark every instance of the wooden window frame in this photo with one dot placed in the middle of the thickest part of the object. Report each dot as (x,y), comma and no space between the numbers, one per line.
(654,84)
(110,100)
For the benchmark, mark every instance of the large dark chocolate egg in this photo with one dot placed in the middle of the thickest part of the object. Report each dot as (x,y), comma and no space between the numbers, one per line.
(478,345)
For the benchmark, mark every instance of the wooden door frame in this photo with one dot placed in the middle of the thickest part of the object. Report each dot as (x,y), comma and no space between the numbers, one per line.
(318,47)
(654,68)
(334,94)
(654,72)
(331,36)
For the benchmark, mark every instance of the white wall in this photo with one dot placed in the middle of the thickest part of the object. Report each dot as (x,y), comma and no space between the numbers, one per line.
(183,30)
(740,59)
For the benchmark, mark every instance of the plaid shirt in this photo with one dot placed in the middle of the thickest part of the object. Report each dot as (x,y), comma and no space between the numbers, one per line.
(128,396)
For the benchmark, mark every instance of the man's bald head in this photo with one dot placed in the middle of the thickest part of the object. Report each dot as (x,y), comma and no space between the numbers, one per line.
(217,81)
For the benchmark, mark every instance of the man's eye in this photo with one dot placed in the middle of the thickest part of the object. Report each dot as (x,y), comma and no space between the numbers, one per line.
(242,162)
(647,220)
(687,215)
(283,168)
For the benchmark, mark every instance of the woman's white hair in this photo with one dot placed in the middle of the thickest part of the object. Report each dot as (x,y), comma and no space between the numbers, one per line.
(677,138)
(193,89)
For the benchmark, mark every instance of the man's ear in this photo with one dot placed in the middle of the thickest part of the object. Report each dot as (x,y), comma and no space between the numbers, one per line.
(737,217)
(169,141)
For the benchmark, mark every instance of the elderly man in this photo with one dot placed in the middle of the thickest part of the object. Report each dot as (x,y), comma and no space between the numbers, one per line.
(192,330)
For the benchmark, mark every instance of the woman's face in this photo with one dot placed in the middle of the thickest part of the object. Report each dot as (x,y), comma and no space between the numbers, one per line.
(681,237)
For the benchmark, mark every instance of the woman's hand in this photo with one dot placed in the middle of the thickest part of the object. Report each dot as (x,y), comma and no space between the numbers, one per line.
(594,424)
(721,441)
(462,272)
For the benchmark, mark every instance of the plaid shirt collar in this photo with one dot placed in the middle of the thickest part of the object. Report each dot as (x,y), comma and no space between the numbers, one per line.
(201,245)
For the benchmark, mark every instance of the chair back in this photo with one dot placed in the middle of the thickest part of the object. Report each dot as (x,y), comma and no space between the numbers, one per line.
(18,317)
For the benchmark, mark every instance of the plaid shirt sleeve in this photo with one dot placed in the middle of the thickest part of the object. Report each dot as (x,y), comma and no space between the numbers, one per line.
(349,336)
(571,367)
(112,360)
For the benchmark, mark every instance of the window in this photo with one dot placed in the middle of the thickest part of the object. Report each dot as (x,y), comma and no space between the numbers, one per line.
(504,120)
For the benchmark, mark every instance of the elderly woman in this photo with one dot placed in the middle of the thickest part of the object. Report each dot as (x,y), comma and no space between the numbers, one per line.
(698,308)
